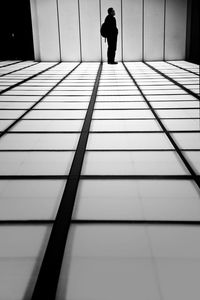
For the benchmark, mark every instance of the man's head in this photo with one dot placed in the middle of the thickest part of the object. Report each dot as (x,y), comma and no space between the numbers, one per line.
(111,11)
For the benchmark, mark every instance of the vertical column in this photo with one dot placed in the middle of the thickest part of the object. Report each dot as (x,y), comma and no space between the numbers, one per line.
(90,30)
(132,30)
(45,32)
(176,17)
(153,29)
(69,30)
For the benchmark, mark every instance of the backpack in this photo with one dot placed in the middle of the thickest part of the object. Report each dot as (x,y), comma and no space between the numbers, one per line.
(103,30)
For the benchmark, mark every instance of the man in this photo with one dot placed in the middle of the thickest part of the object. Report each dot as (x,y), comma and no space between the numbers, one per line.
(112,33)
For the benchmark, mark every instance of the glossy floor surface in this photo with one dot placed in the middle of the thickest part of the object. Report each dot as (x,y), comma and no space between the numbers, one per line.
(134,228)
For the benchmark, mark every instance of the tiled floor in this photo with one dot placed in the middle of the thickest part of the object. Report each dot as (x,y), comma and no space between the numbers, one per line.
(134,229)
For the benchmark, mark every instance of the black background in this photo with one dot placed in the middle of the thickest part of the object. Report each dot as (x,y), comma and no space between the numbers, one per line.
(16,30)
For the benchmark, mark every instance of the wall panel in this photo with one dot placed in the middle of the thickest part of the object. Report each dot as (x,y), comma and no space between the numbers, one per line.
(176,16)
(35,29)
(47,22)
(69,30)
(116,4)
(90,30)
(132,29)
(153,29)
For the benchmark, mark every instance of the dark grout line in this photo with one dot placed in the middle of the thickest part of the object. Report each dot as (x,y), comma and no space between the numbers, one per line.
(173,81)
(2,75)
(179,152)
(170,63)
(13,63)
(30,222)
(103,222)
(136,222)
(37,102)
(48,277)
(27,79)
(97,177)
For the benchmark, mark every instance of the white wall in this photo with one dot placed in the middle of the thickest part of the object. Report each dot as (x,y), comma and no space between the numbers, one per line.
(45,34)
(70,29)
(90,34)
(153,29)
(132,29)
(36,40)
(175,40)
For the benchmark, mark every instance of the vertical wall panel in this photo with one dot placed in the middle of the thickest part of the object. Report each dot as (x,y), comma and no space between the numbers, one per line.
(86,41)
(90,30)
(48,30)
(176,15)
(132,29)
(116,4)
(35,29)
(153,29)
(69,30)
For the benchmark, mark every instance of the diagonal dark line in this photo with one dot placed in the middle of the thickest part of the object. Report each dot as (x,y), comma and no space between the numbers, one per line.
(136,177)
(30,108)
(122,150)
(26,222)
(96,131)
(35,63)
(47,281)
(16,62)
(137,222)
(104,221)
(96,177)
(185,131)
(174,81)
(92,150)
(51,119)
(170,63)
(68,109)
(98,150)
(54,132)
(185,161)
(100,119)
(33,177)
(100,109)
(28,78)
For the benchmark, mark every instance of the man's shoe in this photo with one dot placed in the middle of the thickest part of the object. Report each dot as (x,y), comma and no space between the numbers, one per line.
(112,63)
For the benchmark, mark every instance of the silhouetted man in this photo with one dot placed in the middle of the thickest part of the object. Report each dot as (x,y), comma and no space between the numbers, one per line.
(112,33)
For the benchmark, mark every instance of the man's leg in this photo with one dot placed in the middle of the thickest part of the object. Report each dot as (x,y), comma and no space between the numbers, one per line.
(111,49)
(109,53)
(112,43)
(114,47)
